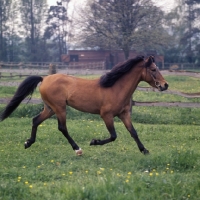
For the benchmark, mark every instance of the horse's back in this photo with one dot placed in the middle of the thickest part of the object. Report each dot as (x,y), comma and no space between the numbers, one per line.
(82,94)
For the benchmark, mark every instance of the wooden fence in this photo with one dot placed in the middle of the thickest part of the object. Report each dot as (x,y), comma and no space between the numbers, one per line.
(59,65)
(173,92)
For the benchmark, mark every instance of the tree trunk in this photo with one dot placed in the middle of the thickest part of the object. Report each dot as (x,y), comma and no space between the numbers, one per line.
(126,51)
(32,34)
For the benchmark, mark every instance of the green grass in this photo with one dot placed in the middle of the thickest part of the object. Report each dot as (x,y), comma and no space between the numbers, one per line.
(49,169)
(8,91)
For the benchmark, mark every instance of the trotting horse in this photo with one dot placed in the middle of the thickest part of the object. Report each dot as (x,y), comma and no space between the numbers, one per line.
(108,96)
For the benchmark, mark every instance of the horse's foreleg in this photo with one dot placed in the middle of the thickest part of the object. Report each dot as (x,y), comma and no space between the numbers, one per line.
(110,126)
(63,128)
(46,113)
(126,119)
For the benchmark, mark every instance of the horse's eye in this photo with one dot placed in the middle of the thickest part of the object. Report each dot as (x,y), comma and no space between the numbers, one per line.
(153,70)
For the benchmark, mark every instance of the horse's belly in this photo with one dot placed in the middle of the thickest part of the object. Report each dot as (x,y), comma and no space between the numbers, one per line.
(85,106)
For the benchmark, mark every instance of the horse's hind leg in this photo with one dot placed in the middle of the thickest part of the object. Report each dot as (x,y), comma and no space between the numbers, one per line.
(61,115)
(37,120)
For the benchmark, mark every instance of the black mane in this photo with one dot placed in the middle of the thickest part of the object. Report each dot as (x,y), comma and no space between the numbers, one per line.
(118,71)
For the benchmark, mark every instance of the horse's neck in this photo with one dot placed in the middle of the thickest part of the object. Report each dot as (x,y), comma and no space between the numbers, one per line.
(129,82)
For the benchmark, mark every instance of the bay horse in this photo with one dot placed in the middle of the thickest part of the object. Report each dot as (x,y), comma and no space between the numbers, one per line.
(109,96)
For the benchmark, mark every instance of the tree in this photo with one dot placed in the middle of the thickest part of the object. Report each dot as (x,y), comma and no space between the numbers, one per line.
(4,13)
(126,25)
(33,14)
(56,29)
(184,27)
(12,33)
(192,32)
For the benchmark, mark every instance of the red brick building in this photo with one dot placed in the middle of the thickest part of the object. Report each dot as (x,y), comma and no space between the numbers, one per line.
(109,58)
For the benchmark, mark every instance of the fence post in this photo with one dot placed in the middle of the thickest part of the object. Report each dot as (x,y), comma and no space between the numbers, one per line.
(52,69)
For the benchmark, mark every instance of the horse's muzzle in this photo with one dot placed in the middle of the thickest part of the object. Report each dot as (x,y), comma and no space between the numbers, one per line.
(165,87)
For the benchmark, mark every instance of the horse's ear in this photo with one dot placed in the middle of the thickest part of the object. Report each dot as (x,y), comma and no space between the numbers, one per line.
(149,61)
(153,59)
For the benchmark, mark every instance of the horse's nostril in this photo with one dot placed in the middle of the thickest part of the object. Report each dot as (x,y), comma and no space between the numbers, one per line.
(166,85)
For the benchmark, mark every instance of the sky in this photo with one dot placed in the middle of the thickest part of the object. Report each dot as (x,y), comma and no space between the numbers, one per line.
(165,4)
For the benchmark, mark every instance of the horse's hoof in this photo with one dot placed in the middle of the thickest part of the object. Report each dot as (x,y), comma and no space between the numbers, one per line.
(145,152)
(27,144)
(95,142)
(79,152)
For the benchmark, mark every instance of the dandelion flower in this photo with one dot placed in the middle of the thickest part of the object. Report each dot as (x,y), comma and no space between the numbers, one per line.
(30,186)
(98,172)
(129,173)
(70,173)
(86,171)
(150,174)
(26,182)
(127,180)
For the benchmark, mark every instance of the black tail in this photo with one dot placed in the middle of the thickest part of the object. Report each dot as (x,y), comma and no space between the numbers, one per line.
(26,88)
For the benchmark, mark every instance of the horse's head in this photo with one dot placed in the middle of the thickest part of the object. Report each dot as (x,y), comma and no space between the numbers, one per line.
(152,75)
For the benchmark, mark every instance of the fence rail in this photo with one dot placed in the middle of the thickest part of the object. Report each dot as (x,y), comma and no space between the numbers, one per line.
(58,65)
(90,65)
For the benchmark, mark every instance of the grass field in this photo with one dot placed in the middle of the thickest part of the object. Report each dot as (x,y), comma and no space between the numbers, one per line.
(49,169)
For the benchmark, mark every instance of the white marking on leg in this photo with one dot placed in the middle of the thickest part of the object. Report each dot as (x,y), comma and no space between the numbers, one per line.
(79,152)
